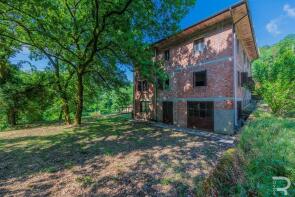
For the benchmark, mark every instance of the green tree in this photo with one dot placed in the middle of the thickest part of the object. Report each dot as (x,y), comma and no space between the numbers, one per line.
(89,34)
(274,73)
(22,92)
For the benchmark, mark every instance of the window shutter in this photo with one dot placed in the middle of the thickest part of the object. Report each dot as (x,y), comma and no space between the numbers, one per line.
(239,79)
(244,78)
(139,86)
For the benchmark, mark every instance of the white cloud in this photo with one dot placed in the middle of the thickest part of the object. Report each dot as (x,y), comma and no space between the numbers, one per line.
(272,27)
(289,10)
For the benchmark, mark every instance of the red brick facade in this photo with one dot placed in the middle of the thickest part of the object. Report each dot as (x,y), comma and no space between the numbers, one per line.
(217,60)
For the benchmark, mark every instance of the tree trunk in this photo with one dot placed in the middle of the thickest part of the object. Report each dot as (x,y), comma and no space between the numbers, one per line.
(79,96)
(11,116)
(66,111)
(60,115)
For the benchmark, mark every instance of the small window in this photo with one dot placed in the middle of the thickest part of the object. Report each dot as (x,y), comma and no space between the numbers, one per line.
(160,84)
(167,84)
(239,79)
(142,86)
(244,78)
(167,55)
(144,106)
(199,45)
(244,58)
(200,78)
(163,85)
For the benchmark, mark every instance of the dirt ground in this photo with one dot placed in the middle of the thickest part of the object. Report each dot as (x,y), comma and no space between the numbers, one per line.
(106,157)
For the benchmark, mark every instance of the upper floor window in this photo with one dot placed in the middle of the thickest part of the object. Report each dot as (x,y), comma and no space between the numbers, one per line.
(167,55)
(199,45)
(244,78)
(142,86)
(244,58)
(200,78)
(164,85)
(239,79)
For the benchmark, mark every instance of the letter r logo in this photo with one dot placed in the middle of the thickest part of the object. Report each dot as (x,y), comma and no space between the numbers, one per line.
(281,189)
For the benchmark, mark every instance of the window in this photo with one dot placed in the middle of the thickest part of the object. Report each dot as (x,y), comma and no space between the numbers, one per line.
(244,78)
(199,45)
(200,78)
(200,109)
(238,45)
(167,84)
(167,55)
(244,58)
(160,84)
(239,78)
(144,106)
(163,85)
(142,86)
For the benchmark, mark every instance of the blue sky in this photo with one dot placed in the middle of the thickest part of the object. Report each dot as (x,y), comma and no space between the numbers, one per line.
(272,20)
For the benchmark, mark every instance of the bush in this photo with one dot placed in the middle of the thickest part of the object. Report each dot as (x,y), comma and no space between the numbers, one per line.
(265,149)
(268,145)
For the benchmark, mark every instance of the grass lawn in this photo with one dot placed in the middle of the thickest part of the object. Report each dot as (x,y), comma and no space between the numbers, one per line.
(106,157)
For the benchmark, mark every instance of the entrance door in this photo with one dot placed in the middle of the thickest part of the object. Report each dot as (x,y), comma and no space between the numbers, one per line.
(200,115)
(168,112)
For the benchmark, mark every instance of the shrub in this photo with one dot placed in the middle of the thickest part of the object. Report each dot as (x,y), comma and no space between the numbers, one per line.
(265,149)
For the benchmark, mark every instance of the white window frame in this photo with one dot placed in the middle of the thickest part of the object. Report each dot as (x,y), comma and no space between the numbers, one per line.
(199,45)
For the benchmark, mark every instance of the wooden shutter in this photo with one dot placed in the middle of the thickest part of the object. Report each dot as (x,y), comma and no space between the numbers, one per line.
(244,78)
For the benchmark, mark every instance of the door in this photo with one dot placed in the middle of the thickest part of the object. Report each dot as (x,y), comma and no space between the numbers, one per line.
(200,115)
(168,112)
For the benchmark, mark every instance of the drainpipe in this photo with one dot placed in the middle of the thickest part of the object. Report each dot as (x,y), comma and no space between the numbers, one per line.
(134,91)
(156,81)
(235,76)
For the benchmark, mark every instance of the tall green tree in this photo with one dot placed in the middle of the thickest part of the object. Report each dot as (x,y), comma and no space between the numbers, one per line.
(22,92)
(274,73)
(87,34)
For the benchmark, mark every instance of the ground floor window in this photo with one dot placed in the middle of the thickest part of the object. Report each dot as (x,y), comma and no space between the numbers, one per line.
(200,109)
(144,106)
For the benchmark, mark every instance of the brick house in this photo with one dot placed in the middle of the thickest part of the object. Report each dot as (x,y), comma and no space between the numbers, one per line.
(208,65)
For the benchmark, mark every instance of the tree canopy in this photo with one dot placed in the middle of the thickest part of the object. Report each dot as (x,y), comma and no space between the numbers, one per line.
(274,73)
(86,40)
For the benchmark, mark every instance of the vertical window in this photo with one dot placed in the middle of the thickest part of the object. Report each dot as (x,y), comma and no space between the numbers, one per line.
(200,78)
(144,106)
(199,45)
(238,45)
(239,78)
(244,78)
(160,84)
(142,86)
(167,55)
(163,84)
(244,58)
(167,84)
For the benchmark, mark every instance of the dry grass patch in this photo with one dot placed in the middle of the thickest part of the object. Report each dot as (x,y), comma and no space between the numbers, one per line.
(105,157)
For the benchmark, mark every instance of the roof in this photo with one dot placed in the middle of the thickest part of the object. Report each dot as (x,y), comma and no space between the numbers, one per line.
(240,16)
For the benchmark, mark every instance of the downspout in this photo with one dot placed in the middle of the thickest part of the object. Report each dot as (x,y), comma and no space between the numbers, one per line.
(235,76)
(156,81)
(134,89)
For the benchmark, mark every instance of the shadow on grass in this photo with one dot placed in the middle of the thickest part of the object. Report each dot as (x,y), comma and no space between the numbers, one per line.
(24,156)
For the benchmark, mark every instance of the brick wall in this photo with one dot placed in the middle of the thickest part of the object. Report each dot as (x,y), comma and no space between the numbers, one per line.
(217,60)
